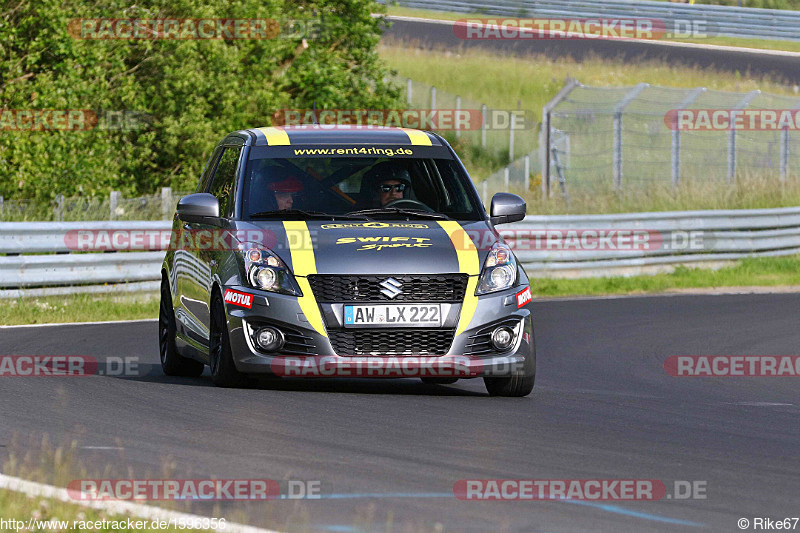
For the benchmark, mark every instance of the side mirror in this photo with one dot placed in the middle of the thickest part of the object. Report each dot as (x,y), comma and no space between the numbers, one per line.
(507,207)
(198,207)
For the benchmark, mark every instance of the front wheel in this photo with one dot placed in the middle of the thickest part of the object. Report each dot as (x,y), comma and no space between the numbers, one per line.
(223,370)
(518,384)
(172,363)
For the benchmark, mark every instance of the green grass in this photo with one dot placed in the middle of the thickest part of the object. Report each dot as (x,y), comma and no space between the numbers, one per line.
(762,44)
(751,272)
(17,506)
(78,308)
(504,81)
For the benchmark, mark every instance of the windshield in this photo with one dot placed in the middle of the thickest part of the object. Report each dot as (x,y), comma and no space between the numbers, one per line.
(367,187)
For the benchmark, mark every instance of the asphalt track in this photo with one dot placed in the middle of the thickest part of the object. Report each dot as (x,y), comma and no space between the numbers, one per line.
(388,452)
(781,66)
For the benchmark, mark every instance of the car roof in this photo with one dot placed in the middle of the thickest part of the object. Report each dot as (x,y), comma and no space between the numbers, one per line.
(335,135)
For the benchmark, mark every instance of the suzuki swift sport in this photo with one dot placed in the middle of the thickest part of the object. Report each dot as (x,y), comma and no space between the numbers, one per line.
(354,251)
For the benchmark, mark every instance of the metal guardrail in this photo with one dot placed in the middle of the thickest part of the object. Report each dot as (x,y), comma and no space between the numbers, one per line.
(751,23)
(726,235)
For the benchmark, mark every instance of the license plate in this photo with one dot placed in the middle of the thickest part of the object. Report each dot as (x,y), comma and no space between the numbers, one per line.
(393,315)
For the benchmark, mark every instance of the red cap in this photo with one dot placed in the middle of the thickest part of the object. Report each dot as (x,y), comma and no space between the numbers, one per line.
(290,184)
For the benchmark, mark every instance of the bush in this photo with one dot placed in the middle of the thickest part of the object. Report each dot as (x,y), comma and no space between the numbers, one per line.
(191,92)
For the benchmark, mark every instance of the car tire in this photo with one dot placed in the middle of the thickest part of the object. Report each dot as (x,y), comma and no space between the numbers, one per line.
(438,381)
(220,355)
(520,383)
(172,363)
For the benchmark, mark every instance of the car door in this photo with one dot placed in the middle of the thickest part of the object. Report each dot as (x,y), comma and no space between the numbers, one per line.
(222,186)
(183,266)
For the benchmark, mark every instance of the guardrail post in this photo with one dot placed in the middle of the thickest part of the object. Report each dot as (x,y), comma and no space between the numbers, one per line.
(744,102)
(675,156)
(433,98)
(113,200)
(483,125)
(409,90)
(511,125)
(545,133)
(166,202)
(527,172)
(616,141)
(784,153)
(458,113)
(59,208)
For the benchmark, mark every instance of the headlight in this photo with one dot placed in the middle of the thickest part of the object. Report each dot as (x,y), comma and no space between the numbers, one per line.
(499,270)
(264,270)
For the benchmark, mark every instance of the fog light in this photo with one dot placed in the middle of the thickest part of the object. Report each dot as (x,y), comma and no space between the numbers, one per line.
(269,339)
(503,338)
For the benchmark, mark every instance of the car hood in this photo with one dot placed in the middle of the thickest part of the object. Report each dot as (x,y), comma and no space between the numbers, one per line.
(381,247)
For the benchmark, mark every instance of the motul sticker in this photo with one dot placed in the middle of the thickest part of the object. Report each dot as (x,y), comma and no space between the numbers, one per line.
(523,297)
(243,299)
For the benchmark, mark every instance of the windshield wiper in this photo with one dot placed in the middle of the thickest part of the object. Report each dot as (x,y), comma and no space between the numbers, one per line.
(308,214)
(399,211)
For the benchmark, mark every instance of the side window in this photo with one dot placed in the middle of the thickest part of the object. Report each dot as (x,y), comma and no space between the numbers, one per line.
(205,178)
(225,180)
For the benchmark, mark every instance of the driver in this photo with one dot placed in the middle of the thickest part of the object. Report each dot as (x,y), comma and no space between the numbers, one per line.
(285,191)
(392,183)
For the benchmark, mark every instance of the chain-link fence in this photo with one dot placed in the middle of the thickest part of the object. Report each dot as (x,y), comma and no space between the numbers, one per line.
(505,134)
(113,207)
(635,137)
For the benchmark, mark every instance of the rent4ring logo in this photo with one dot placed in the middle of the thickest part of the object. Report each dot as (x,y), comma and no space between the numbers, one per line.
(578,489)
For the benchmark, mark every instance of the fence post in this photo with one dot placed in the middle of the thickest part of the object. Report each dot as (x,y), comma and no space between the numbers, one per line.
(485,193)
(166,202)
(59,208)
(675,155)
(409,91)
(433,98)
(616,141)
(527,172)
(1,207)
(113,200)
(744,102)
(505,179)
(545,134)
(458,115)
(511,125)
(483,125)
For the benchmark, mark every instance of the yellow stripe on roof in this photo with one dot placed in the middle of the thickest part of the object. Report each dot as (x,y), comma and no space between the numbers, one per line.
(419,138)
(275,136)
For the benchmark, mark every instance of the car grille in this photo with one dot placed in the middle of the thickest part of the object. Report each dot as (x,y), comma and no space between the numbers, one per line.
(386,341)
(416,288)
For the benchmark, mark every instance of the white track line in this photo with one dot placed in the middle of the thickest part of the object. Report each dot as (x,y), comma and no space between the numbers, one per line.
(81,323)
(147,512)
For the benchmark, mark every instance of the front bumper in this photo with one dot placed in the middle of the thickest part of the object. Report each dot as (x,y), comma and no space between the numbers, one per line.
(314,351)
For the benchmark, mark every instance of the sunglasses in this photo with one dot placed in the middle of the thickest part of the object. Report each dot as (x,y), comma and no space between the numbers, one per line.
(400,187)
